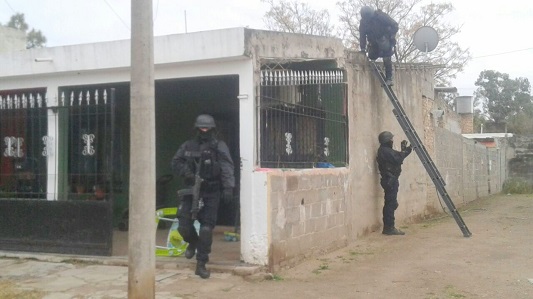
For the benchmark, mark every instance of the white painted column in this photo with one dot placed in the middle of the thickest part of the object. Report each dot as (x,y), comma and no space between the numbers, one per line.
(253,199)
(49,144)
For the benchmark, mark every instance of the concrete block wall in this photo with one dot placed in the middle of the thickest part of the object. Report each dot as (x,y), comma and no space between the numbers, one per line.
(317,210)
(307,213)
(475,180)
(470,170)
(449,160)
(496,173)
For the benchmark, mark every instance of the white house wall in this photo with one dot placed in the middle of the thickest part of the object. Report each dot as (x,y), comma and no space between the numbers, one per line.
(199,46)
(327,208)
(12,39)
(211,53)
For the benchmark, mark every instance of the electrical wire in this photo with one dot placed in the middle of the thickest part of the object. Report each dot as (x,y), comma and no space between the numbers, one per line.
(118,16)
(10,7)
(502,53)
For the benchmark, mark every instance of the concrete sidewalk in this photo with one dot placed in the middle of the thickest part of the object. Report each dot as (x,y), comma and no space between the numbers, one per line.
(25,275)
(43,275)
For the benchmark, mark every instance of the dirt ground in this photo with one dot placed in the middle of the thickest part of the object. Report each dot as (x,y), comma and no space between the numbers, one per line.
(433,260)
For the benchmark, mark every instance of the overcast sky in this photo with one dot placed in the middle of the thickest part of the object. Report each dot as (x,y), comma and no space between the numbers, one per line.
(498,33)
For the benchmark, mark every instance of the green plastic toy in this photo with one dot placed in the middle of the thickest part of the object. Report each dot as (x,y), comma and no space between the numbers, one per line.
(175,244)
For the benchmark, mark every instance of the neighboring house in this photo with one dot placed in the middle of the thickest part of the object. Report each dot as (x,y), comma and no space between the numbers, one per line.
(300,114)
(490,140)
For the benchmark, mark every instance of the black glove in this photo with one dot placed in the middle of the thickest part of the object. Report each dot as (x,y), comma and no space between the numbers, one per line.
(227,195)
(404,145)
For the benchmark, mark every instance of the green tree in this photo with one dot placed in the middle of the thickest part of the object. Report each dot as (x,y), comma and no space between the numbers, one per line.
(34,38)
(505,100)
(297,17)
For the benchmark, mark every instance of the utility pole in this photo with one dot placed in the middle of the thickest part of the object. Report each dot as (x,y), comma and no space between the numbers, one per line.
(141,236)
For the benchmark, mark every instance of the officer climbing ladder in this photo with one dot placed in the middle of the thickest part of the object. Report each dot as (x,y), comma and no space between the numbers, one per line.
(420,150)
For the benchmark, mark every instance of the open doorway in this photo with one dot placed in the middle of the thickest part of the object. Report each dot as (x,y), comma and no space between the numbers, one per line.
(178,103)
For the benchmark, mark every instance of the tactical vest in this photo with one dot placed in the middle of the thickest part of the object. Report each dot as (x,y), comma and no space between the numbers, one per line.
(388,168)
(205,155)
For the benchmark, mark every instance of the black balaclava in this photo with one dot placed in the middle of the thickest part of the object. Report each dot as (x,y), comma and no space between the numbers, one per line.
(205,136)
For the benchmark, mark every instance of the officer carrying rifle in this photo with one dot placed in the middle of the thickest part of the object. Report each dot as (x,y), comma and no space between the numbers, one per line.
(205,162)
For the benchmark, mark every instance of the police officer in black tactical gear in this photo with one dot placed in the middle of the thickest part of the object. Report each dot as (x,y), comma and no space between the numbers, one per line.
(390,166)
(216,169)
(380,30)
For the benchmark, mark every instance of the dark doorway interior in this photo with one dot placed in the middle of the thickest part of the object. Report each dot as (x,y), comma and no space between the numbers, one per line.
(178,102)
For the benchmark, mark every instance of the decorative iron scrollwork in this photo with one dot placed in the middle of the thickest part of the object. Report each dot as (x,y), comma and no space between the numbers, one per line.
(326,146)
(288,147)
(14,147)
(48,146)
(88,149)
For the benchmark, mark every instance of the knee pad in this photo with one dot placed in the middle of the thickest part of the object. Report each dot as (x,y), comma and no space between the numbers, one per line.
(206,230)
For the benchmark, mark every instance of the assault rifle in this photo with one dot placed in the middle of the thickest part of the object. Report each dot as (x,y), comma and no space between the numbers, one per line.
(197,202)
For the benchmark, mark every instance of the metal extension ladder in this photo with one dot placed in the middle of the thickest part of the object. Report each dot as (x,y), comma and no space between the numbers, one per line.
(420,149)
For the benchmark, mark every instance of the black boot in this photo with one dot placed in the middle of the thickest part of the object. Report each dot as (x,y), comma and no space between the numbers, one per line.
(191,250)
(392,231)
(201,270)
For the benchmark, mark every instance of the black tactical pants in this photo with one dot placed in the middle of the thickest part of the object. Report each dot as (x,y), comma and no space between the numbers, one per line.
(390,186)
(382,48)
(207,217)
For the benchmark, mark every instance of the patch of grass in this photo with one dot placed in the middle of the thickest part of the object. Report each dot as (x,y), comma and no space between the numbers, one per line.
(451,292)
(8,290)
(276,277)
(433,221)
(321,268)
(517,186)
(356,253)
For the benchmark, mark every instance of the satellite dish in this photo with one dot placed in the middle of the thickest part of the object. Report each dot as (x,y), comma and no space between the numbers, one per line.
(426,39)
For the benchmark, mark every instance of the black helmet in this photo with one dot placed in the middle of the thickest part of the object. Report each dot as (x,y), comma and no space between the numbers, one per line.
(204,121)
(385,137)
(366,12)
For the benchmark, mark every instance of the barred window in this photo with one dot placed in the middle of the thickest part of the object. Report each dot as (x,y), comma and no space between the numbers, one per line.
(24,143)
(88,128)
(303,119)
